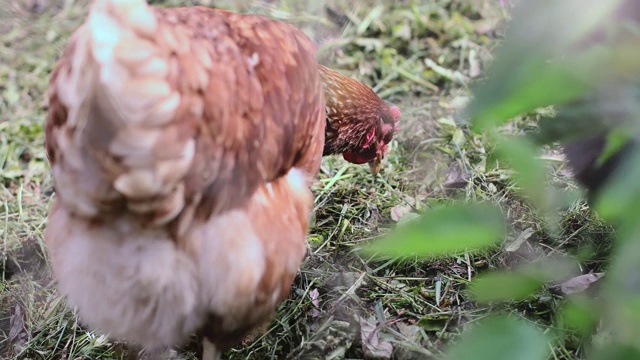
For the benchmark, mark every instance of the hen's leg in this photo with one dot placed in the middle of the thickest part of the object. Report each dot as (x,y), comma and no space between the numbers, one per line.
(209,351)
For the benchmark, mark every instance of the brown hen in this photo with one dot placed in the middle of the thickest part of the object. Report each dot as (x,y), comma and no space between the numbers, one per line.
(183,142)
(360,125)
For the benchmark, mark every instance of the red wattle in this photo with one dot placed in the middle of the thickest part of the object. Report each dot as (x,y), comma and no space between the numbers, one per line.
(355,158)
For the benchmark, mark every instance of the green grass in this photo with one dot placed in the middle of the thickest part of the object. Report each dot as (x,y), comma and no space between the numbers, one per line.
(418,55)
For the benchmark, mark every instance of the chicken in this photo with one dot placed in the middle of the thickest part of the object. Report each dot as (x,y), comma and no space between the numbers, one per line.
(183,143)
(359,124)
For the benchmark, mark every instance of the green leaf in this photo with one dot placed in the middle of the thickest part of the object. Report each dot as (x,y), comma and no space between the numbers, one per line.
(534,84)
(615,351)
(579,314)
(615,141)
(497,286)
(523,281)
(610,107)
(622,293)
(521,154)
(443,231)
(501,339)
(620,197)
(544,60)
(434,322)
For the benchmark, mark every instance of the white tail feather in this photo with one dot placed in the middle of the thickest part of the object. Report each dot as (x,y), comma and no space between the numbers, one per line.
(121,105)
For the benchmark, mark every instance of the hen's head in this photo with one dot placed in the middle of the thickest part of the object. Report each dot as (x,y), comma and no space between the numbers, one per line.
(374,145)
(360,125)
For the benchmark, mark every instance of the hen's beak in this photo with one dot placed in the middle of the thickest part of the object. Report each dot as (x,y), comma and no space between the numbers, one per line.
(375,165)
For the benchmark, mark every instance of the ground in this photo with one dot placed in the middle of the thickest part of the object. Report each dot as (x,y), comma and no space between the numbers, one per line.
(419,55)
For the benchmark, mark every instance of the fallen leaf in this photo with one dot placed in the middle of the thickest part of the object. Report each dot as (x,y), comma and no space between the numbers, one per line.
(515,244)
(374,346)
(579,283)
(456,179)
(399,211)
(313,295)
(330,341)
(434,322)
(410,200)
(18,335)
(411,332)
(409,348)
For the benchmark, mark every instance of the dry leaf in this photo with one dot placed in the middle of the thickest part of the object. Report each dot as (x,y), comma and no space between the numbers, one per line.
(313,295)
(579,283)
(399,211)
(410,200)
(374,346)
(18,335)
(515,244)
(456,179)
(412,334)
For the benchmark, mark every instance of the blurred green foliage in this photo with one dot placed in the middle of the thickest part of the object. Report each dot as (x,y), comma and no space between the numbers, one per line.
(583,57)
(516,341)
(439,231)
